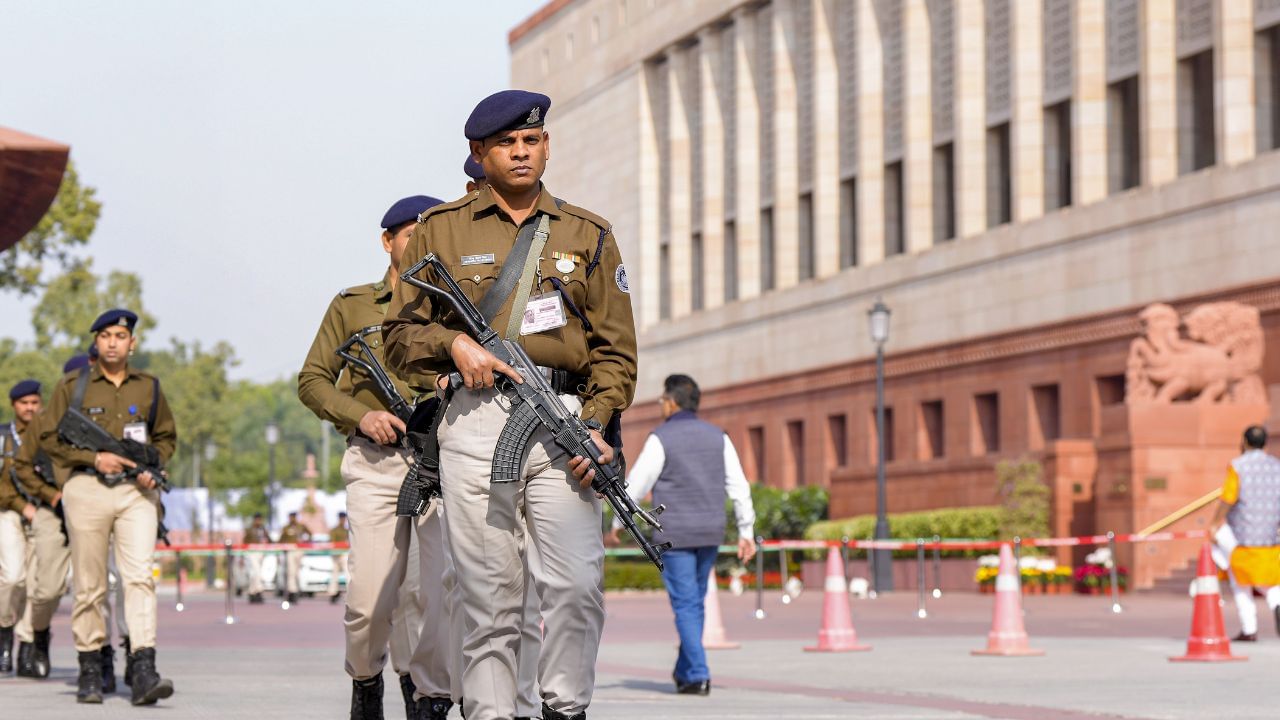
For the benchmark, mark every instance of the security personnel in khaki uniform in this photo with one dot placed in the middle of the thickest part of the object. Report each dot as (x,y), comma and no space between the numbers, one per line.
(18,509)
(129,404)
(293,533)
(49,556)
(590,357)
(255,534)
(383,546)
(338,534)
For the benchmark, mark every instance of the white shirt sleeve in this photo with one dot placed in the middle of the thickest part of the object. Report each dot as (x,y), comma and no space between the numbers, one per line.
(643,474)
(739,491)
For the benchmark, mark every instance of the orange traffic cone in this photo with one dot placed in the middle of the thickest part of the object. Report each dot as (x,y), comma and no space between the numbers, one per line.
(713,635)
(1208,639)
(836,634)
(1008,636)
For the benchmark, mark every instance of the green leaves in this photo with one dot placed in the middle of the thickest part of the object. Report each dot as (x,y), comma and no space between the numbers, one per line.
(50,245)
(780,513)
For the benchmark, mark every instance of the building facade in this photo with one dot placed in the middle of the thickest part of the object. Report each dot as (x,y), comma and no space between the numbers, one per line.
(1016,179)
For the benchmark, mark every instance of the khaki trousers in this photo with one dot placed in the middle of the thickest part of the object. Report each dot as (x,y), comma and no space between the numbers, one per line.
(46,574)
(253,566)
(339,569)
(293,564)
(94,513)
(564,526)
(407,620)
(113,615)
(379,559)
(15,551)
(528,699)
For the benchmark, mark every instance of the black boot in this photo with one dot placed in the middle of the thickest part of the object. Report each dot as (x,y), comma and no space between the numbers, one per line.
(128,666)
(366,699)
(549,714)
(40,654)
(148,686)
(293,598)
(6,649)
(407,689)
(89,684)
(25,669)
(109,669)
(431,709)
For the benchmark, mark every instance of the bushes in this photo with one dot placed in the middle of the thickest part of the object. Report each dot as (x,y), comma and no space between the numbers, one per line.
(974,523)
(628,574)
(1024,498)
(780,513)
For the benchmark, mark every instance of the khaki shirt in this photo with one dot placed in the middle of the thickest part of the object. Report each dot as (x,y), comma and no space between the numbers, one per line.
(111,408)
(256,535)
(464,234)
(338,534)
(295,533)
(340,394)
(34,484)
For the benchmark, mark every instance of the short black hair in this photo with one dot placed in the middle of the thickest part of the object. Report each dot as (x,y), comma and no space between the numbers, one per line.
(683,391)
(342,513)
(1255,437)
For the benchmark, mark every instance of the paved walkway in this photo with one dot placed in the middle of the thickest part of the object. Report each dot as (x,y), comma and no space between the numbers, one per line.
(278,664)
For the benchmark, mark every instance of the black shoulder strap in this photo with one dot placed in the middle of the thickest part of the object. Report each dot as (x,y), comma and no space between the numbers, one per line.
(509,277)
(155,403)
(595,261)
(82,384)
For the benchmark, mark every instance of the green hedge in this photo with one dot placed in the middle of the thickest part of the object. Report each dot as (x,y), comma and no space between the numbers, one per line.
(620,574)
(780,513)
(973,523)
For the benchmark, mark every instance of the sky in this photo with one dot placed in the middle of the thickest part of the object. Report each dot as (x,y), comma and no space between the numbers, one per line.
(245,151)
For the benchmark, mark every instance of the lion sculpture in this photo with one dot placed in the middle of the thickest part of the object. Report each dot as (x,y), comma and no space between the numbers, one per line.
(1217,360)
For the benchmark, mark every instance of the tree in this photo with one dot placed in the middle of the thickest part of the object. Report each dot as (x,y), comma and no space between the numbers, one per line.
(1024,499)
(74,299)
(68,224)
(17,364)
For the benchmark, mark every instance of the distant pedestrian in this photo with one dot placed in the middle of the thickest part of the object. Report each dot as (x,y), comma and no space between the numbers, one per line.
(692,467)
(293,533)
(255,534)
(339,534)
(1250,507)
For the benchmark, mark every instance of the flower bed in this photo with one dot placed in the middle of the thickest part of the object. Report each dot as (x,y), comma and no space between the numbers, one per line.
(1094,577)
(1040,576)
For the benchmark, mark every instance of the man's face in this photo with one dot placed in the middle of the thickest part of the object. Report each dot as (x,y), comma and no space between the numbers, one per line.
(257,522)
(26,407)
(513,161)
(395,240)
(114,345)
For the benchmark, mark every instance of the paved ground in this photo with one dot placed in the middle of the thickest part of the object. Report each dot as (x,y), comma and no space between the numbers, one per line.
(287,664)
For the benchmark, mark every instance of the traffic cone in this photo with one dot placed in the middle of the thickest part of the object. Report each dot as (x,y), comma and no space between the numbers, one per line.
(1008,636)
(836,634)
(713,635)
(1208,639)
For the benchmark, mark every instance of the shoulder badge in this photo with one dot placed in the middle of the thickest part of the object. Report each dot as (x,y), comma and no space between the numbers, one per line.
(620,277)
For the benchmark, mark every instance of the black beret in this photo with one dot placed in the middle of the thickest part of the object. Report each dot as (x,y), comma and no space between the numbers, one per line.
(75,363)
(408,209)
(473,169)
(121,317)
(507,110)
(23,389)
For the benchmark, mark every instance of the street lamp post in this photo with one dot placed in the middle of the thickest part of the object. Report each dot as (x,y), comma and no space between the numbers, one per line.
(273,437)
(210,452)
(878,321)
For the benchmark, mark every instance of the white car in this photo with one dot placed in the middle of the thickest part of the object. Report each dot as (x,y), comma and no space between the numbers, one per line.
(313,576)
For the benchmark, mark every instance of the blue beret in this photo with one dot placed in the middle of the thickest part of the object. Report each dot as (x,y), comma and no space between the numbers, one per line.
(123,318)
(473,169)
(408,209)
(75,363)
(507,110)
(93,351)
(23,389)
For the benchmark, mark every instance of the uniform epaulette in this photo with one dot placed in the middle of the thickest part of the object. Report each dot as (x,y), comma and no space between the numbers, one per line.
(443,207)
(587,215)
(356,290)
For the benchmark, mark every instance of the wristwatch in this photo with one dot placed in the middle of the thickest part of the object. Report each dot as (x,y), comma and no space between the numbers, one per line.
(594,424)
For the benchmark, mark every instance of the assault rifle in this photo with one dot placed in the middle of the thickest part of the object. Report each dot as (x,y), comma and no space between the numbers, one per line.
(78,430)
(534,404)
(423,480)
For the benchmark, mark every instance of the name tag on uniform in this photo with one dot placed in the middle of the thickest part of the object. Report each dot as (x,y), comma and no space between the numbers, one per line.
(95,410)
(136,431)
(544,312)
(477,259)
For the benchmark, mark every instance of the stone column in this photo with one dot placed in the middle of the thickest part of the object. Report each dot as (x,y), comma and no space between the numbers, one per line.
(1027,128)
(970,118)
(786,184)
(870,136)
(712,148)
(650,233)
(679,188)
(1233,80)
(1089,103)
(746,154)
(1158,91)
(917,140)
(826,141)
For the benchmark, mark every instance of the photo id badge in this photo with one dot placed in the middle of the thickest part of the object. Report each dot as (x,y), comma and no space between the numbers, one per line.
(136,431)
(544,312)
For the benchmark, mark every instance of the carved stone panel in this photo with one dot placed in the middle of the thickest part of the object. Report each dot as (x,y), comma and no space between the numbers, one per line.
(1057,50)
(1195,26)
(1123,42)
(999,60)
(942,41)
(889,16)
(1212,355)
(847,68)
(1266,13)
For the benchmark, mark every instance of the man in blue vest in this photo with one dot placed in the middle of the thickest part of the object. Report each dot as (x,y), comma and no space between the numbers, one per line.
(692,467)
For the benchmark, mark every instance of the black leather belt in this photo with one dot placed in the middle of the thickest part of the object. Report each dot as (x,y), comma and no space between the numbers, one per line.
(564,382)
